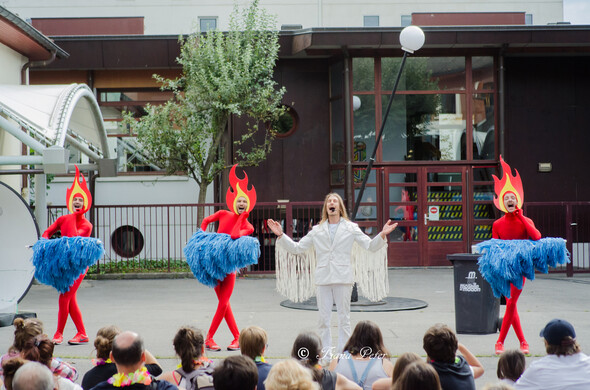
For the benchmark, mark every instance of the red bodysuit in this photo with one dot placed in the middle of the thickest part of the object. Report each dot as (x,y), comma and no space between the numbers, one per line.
(513,226)
(236,226)
(70,225)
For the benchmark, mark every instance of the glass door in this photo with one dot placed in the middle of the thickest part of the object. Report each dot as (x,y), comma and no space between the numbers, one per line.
(428,203)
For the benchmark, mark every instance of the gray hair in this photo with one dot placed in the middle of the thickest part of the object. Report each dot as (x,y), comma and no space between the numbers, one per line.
(33,376)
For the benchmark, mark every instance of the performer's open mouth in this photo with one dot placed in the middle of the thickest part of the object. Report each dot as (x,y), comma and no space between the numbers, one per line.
(332,209)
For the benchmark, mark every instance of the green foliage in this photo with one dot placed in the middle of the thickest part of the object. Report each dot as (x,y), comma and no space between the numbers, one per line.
(139,266)
(224,74)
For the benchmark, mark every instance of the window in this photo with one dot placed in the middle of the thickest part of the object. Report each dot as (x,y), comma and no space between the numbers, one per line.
(371,21)
(406,20)
(127,241)
(207,23)
(287,122)
(435,116)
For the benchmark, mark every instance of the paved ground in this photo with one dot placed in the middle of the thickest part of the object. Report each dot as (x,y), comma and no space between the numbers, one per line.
(156,308)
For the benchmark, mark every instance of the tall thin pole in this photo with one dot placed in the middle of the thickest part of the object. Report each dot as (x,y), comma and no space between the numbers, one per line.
(372,159)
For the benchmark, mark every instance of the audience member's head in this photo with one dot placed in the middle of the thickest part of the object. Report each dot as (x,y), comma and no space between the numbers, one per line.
(236,373)
(25,330)
(104,341)
(511,365)
(39,349)
(33,376)
(253,341)
(366,340)
(440,343)
(128,352)
(288,375)
(418,376)
(9,367)
(404,360)
(307,349)
(189,344)
(560,338)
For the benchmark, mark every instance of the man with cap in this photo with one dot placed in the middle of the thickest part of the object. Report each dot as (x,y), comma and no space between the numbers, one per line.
(564,367)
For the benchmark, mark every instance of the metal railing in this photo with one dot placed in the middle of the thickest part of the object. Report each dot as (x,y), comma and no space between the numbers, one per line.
(143,233)
(159,232)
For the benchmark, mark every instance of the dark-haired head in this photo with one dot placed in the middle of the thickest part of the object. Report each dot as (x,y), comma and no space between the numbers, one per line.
(188,345)
(511,365)
(440,343)
(307,349)
(418,376)
(366,340)
(39,349)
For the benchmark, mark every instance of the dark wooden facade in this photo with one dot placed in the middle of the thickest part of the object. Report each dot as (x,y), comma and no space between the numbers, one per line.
(541,93)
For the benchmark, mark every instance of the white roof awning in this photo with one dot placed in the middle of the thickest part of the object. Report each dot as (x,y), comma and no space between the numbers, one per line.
(54,114)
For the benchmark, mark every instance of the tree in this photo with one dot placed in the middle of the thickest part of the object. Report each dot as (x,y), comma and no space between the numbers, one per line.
(223,74)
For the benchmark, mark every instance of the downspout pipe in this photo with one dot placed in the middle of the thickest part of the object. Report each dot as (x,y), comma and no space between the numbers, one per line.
(35,64)
(349,137)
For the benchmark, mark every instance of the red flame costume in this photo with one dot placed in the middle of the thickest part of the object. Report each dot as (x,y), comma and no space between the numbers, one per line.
(512,226)
(70,225)
(236,225)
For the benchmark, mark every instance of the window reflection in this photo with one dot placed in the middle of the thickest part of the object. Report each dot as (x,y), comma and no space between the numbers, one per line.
(363,74)
(483,126)
(364,128)
(425,127)
(424,73)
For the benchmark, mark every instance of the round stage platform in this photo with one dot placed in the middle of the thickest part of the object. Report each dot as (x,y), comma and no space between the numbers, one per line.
(363,304)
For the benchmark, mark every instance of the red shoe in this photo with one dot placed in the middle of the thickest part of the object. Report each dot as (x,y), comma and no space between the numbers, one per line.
(499,348)
(58,338)
(234,346)
(211,346)
(524,348)
(79,339)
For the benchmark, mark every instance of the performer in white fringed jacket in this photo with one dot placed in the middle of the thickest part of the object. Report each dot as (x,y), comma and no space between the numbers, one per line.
(333,255)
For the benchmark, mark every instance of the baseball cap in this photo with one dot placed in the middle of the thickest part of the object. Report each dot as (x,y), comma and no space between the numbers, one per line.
(556,330)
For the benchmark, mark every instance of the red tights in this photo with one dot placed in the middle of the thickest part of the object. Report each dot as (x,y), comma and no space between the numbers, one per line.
(511,317)
(68,304)
(224,290)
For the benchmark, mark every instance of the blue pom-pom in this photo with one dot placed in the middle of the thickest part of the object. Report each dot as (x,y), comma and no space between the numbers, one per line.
(505,262)
(60,262)
(212,256)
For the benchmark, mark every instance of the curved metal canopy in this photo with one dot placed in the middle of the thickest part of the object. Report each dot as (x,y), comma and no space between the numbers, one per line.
(54,114)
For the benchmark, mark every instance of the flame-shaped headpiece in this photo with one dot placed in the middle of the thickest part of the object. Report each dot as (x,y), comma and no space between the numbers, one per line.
(239,187)
(508,183)
(79,189)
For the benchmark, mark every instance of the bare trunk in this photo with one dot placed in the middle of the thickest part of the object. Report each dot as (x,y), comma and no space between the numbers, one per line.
(202,199)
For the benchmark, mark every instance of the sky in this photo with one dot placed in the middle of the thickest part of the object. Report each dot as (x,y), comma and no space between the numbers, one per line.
(576,11)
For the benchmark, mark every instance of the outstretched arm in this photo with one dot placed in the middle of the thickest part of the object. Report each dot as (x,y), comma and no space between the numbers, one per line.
(471,360)
(387,229)
(275,227)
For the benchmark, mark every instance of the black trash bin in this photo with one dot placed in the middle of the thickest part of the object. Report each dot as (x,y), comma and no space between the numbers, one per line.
(476,309)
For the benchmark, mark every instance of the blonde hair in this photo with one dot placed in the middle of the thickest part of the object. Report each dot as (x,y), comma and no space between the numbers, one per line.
(343,213)
(253,341)
(288,375)
(104,341)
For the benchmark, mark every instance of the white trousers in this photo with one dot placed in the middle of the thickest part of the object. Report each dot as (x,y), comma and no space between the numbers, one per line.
(327,295)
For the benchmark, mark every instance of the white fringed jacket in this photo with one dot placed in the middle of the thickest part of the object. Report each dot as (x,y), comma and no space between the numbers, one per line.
(315,260)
